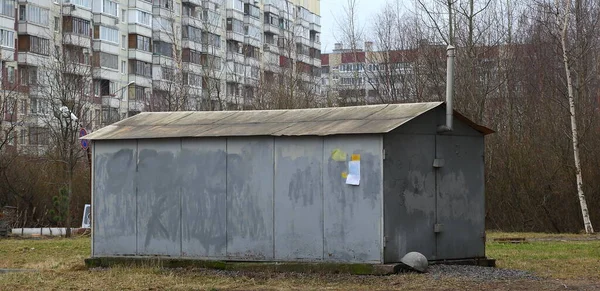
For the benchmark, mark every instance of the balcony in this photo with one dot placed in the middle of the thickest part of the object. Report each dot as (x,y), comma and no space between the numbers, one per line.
(160,60)
(143,5)
(253,21)
(235,14)
(105,73)
(315,27)
(29,28)
(77,40)
(32,59)
(191,44)
(303,40)
(193,2)
(140,55)
(270,8)
(271,29)
(239,37)
(106,19)
(136,106)
(235,57)
(188,20)
(316,62)
(112,101)
(77,11)
(107,47)
(252,41)
(140,80)
(192,68)
(136,28)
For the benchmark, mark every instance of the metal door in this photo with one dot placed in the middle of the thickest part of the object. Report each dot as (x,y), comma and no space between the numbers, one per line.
(460,211)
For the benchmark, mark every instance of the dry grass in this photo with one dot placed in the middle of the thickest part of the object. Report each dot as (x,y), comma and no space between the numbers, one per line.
(59,265)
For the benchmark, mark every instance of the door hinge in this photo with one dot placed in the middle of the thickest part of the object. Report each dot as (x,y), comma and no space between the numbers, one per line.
(438,163)
(438,227)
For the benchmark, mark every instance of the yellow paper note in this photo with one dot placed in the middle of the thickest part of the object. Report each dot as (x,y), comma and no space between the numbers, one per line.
(355,157)
(338,155)
(344,175)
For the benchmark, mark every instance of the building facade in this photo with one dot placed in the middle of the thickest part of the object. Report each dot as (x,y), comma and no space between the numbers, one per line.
(369,76)
(125,57)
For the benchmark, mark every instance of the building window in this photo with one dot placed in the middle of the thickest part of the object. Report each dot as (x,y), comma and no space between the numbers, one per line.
(237,5)
(106,60)
(252,31)
(162,23)
(141,17)
(251,10)
(38,136)
(7,38)
(110,7)
(123,41)
(10,75)
(22,136)
(82,3)
(77,26)
(140,42)
(192,33)
(191,56)
(23,107)
(34,44)
(162,48)
(167,4)
(108,34)
(123,67)
(38,106)
(140,68)
(7,8)
(56,24)
(211,39)
(34,14)
(235,25)
(123,15)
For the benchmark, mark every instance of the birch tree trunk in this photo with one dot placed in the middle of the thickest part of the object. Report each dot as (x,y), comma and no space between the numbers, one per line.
(563,39)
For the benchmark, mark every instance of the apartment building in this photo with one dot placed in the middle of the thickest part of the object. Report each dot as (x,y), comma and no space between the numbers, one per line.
(142,55)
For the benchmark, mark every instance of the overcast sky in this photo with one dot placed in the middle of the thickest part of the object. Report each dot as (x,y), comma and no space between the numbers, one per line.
(333,9)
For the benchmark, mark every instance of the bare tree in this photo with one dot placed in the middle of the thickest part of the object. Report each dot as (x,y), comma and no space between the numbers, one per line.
(65,87)
(562,22)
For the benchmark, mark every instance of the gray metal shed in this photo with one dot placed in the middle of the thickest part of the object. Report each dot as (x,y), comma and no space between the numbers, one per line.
(273,185)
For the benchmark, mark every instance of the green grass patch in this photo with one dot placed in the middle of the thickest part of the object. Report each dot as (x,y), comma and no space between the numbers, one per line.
(59,265)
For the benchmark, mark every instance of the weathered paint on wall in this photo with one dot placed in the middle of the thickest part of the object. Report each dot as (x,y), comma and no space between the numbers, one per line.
(203,201)
(299,199)
(250,198)
(353,223)
(460,199)
(259,198)
(114,185)
(418,195)
(409,183)
(159,198)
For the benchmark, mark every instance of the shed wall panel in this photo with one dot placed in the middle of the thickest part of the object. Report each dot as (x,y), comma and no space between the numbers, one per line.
(298,198)
(159,198)
(114,204)
(409,191)
(353,214)
(461,199)
(250,198)
(202,164)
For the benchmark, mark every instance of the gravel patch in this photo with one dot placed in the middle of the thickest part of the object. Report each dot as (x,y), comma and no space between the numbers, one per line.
(478,273)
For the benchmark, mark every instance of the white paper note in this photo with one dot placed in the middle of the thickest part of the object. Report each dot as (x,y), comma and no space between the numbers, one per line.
(353,173)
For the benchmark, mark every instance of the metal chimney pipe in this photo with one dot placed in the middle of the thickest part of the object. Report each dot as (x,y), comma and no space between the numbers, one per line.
(449,89)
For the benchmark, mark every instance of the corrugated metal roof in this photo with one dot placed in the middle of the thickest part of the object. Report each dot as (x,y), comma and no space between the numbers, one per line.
(293,122)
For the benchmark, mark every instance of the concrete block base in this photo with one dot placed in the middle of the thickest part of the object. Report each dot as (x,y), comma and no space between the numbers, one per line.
(301,267)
